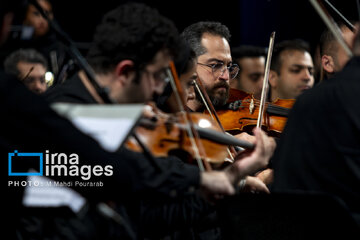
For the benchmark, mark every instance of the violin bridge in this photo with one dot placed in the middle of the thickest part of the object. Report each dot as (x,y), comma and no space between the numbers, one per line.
(251,106)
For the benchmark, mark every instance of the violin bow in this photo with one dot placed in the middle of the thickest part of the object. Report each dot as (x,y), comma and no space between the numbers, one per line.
(347,22)
(210,108)
(266,81)
(28,74)
(331,24)
(193,134)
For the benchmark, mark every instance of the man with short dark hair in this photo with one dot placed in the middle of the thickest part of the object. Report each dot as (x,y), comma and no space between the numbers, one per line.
(215,68)
(29,66)
(251,61)
(332,54)
(291,70)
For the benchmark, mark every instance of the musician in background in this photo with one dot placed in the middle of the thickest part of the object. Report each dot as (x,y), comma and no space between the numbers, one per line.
(291,71)
(30,67)
(251,61)
(39,35)
(332,54)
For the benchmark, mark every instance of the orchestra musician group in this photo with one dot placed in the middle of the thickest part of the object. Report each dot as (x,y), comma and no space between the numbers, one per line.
(182,158)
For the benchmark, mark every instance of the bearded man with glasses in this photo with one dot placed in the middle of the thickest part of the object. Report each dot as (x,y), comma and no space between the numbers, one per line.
(215,69)
(210,41)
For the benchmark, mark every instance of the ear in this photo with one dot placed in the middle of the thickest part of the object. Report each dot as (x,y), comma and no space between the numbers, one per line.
(327,63)
(273,77)
(124,71)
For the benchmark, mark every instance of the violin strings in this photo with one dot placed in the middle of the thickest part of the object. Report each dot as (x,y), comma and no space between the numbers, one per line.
(258,104)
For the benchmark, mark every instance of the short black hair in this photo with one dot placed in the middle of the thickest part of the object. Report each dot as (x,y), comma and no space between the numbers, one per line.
(132,31)
(245,51)
(296,44)
(23,55)
(193,34)
(248,51)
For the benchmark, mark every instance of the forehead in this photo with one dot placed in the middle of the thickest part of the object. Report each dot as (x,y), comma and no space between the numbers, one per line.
(24,68)
(295,57)
(216,46)
(248,62)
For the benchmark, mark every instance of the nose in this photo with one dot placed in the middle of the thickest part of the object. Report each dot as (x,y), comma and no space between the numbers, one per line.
(306,75)
(38,87)
(225,74)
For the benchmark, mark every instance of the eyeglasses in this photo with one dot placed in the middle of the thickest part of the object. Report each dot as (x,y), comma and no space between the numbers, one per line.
(219,68)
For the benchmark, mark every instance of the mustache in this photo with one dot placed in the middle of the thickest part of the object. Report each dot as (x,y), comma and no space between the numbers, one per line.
(222,84)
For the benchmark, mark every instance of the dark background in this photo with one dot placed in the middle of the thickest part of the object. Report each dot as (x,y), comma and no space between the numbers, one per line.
(249,21)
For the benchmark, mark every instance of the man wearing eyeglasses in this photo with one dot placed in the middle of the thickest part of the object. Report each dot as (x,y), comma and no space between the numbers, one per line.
(210,41)
(215,69)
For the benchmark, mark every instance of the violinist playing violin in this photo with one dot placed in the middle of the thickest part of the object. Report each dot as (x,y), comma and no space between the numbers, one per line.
(166,102)
(215,68)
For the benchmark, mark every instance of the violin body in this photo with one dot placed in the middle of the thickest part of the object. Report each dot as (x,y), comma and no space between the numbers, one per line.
(167,137)
(244,119)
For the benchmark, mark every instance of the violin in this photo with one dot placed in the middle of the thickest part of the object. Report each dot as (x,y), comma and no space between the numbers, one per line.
(245,111)
(165,135)
(246,116)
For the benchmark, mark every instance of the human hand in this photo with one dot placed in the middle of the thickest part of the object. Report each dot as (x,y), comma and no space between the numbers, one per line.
(254,185)
(266,176)
(215,184)
(246,137)
(248,162)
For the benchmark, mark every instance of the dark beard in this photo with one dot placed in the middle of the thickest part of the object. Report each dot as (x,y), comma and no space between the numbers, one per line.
(217,100)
